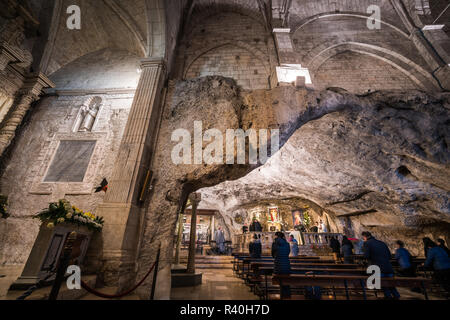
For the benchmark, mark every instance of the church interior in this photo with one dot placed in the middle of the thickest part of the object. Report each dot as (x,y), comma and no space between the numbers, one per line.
(122,125)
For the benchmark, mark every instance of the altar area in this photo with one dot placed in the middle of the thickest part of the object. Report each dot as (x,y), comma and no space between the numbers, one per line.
(310,244)
(313,230)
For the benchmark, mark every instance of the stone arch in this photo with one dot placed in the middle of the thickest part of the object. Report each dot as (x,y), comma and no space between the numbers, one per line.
(416,73)
(355,15)
(240,44)
(156,28)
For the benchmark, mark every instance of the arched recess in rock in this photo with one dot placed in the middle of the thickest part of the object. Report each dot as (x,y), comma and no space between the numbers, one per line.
(220,105)
(417,74)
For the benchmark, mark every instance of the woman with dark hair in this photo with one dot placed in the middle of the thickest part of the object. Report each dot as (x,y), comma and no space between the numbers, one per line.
(438,259)
(347,250)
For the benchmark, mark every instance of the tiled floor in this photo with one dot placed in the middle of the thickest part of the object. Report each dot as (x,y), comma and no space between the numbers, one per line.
(218,284)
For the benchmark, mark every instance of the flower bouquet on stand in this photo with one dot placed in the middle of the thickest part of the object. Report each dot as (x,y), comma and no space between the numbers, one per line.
(63,212)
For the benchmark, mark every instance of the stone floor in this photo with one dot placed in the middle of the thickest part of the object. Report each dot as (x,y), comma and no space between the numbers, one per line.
(8,274)
(219,284)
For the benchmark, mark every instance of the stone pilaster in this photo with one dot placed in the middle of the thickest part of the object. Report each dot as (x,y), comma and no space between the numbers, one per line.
(289,71)
(29,93)
(121,207)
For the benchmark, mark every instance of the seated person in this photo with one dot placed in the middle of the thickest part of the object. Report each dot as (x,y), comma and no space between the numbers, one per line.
(403,258)
(438,259)
(255,247)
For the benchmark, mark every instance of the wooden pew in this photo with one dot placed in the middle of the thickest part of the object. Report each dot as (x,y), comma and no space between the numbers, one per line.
(263,269)
(348,281)
(243,264)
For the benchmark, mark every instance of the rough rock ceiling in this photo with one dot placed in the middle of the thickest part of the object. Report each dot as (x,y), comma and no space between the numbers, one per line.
(383,166)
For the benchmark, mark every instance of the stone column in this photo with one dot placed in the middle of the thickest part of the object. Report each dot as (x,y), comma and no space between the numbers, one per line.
(30,92)
(213,228)
(195,200)
(121,207)
(180,234)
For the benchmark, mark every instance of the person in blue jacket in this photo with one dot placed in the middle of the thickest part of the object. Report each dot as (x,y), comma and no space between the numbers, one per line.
(378,253)
(438,260)
(294,243)
(403,258)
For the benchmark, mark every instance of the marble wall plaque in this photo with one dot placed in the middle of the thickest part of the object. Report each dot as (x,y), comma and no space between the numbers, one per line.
(71,161)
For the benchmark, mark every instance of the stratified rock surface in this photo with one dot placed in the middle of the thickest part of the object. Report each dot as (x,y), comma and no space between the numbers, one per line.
(381,160)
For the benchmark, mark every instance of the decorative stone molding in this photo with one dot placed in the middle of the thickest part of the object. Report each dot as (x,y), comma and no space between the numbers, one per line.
(11,38)
(283,40)
(29,93)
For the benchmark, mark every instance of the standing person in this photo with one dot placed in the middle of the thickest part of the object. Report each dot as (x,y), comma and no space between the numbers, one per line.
(443,246)
(359,247)
(315,228)
(439,260)
(220,240)
(322,227)
(255,248)
(403,258)
(347,250)
(282,265)
(336,247)
(294,246)
(426,244)
(377,252)
(255,226)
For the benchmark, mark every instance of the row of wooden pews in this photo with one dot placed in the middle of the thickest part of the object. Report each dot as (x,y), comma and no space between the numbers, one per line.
(336,281)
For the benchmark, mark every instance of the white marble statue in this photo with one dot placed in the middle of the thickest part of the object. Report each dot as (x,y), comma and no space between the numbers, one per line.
(87,115)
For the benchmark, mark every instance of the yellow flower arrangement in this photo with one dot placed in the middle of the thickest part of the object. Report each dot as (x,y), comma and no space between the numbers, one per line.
(64,212)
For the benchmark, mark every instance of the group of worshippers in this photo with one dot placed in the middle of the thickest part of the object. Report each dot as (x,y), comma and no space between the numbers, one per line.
(375,251)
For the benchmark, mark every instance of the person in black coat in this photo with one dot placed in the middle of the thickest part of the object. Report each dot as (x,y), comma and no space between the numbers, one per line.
(255,248)
(426,244)
(255,226)
(442,245)
(378,253)
(282,265)
(347,250)
(336,247)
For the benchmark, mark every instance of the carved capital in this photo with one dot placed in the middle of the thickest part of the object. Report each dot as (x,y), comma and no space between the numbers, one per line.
(195,198)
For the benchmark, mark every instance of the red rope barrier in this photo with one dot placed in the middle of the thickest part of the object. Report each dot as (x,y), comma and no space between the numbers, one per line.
(85,286)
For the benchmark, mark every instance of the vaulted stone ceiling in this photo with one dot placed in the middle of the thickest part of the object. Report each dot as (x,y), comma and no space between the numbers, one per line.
(107,23)
(302,10)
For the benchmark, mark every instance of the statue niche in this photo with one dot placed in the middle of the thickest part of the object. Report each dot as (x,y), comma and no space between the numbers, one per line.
(87,115)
